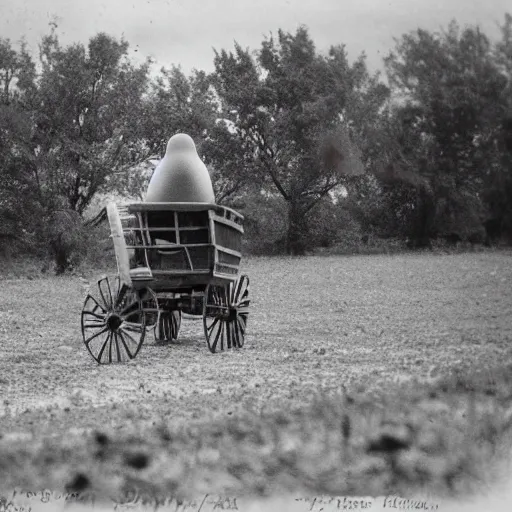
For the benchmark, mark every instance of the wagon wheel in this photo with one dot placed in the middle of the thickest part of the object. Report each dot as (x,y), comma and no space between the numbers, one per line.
(113,322)
(225,314)
(168,326)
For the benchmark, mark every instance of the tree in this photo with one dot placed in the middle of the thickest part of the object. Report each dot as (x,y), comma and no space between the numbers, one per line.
(179,103)
(290,112)
(497,193)
(17,72)
(88,101)
(450,91)
(17,83)
(67,130)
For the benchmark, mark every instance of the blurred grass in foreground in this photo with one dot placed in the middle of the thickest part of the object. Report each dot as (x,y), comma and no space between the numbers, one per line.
(449,438)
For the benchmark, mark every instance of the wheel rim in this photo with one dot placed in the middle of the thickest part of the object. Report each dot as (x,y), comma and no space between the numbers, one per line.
(225,315)
(113,323)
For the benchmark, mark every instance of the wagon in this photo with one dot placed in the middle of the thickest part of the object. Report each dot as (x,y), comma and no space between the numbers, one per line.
(172,258)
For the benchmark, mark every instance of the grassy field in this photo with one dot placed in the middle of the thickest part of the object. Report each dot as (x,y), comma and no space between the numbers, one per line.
(364,375)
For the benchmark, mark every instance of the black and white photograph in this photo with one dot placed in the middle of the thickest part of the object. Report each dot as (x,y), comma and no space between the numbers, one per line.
(255,255)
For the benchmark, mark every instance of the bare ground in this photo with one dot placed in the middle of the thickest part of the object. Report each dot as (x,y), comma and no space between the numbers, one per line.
(180,420)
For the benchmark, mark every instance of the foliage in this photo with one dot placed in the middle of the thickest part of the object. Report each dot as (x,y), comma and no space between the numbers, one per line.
(84,127)
(446,128)
(66,131)
(289,113)
(264,224)
(304,143)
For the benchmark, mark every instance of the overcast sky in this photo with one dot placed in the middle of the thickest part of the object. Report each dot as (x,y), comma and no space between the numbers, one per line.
(184,31)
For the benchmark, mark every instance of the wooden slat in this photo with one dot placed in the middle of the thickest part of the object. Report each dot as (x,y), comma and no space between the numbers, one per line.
(229,251)
(204,228)
(120,249)
(182,207)
(165,207)
(179,272)
(177,225)
(230,265)
(166,246)
(230,223)
(211,225)
(232,212)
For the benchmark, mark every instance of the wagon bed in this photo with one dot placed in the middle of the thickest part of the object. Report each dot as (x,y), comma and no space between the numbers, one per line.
(171,257)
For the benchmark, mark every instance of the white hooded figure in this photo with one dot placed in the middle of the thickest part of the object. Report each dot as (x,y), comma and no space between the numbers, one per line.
(181,177)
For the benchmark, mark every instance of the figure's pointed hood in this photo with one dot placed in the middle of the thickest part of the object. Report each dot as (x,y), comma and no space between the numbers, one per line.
(181,176)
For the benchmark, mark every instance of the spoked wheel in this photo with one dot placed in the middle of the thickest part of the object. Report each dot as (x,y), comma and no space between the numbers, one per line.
(113,322)
(168,326)
(225,314)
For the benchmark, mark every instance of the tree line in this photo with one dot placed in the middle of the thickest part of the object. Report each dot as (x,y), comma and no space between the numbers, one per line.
(310,147)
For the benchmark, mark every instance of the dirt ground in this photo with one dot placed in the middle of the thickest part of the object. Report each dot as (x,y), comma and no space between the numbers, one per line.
(316,324)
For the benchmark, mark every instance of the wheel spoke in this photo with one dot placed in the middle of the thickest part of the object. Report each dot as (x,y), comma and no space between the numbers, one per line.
(173,326)
(240,290)
(161,328)
(98,305)
(132,326)
(126,332)
(127,308)
(133,340)
(103,331)
(95,315)
(242,325)
(110,346)
(217,336)
(168,328)
(110,296)
(95,320)
(108,304)
(118,348)
(120,334)
(229,333)
(100,355)
(121,293)
(244,303)
(243,319)
(213,324)
(236,332)
(96,325)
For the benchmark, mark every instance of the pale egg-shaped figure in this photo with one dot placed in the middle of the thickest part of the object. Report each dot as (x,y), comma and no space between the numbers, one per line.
(181,177)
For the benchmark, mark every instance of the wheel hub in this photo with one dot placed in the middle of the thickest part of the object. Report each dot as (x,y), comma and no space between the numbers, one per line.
(232,315)
(114,321)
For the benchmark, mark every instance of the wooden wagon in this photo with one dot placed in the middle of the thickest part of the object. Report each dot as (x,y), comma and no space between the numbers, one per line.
(171,258)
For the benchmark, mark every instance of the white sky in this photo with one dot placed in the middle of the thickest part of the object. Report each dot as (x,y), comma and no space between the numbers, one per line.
(184,31)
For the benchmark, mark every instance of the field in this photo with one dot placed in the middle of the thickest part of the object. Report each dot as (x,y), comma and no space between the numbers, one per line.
(364,375)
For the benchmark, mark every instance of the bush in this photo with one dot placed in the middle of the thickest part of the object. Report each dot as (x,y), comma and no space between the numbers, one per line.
(65,237)
(265,225)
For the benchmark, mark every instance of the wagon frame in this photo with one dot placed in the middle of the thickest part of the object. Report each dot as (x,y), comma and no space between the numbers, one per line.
(171,258)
